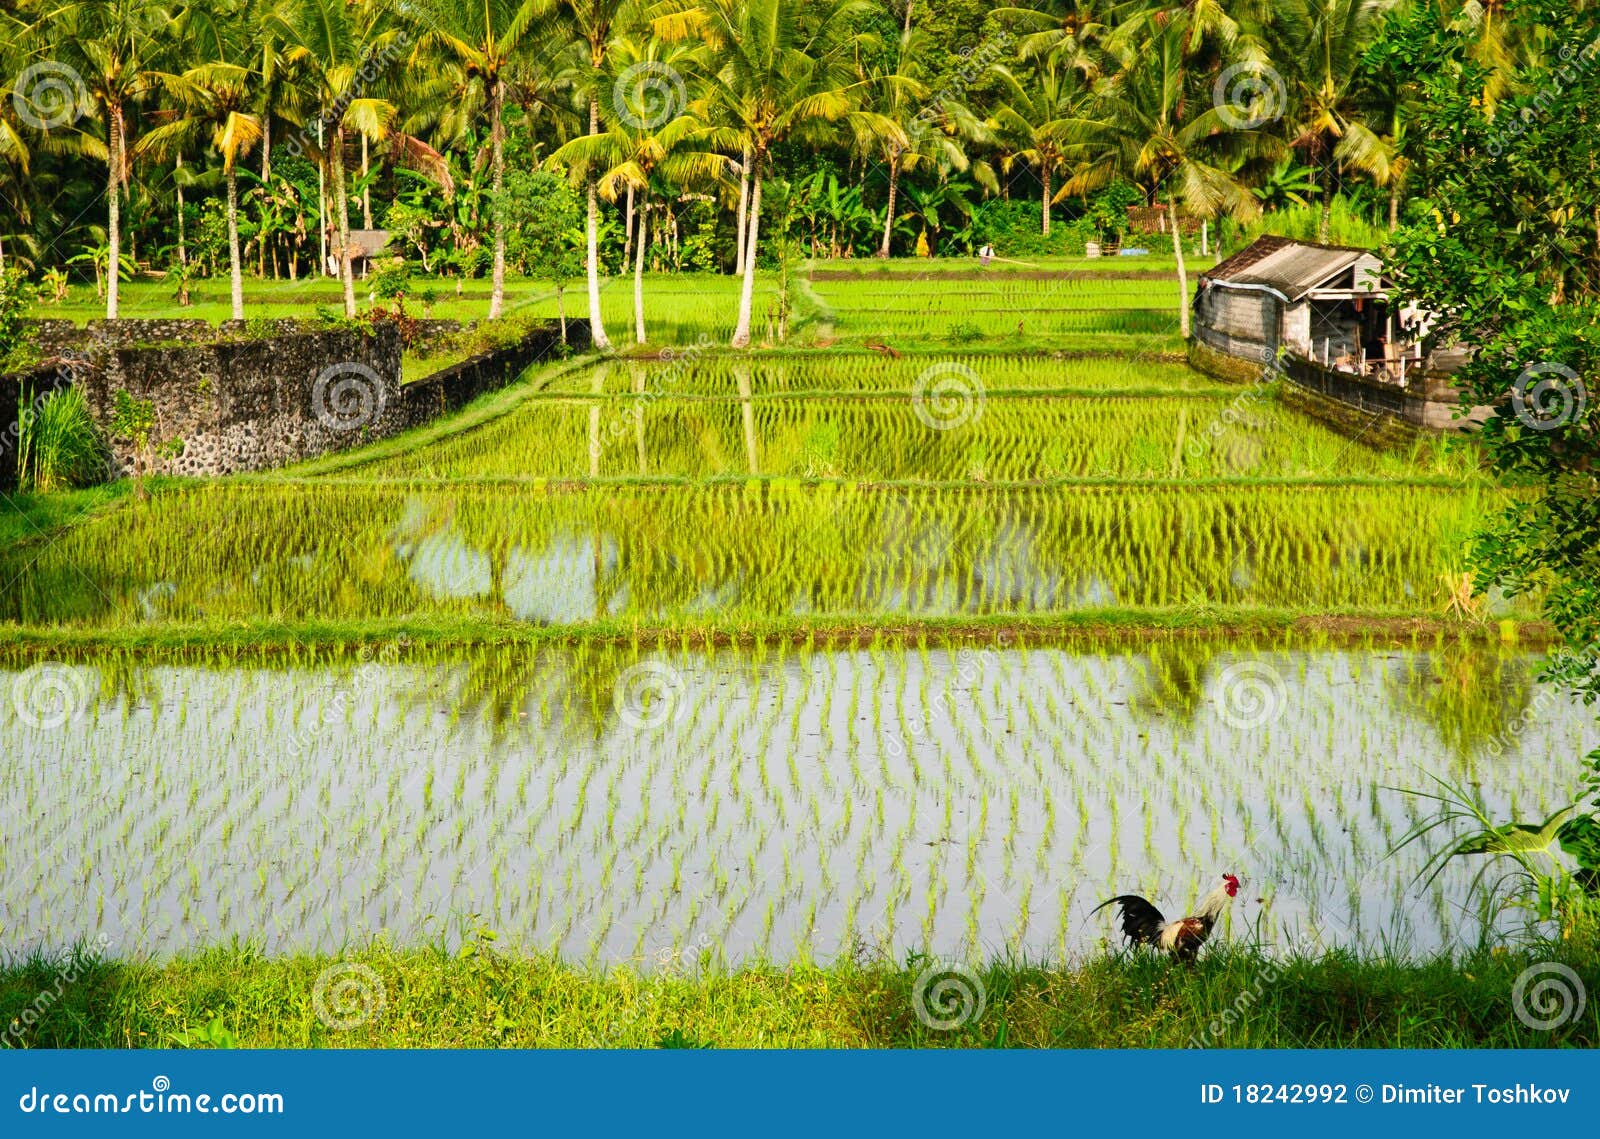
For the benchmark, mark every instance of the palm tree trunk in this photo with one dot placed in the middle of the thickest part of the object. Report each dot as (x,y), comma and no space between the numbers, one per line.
(627,230)
(597,329)
(1183,274)
(497,156)
(741,333)
(183,252)
(114,207)
(342,217)
(235,270)
(894,184)
(638,275)
(1394,207)
(1046,204)
(366,190)
(744,199)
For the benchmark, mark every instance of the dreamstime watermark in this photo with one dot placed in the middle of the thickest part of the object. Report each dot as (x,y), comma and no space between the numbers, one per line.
(649,695)
(49,695)
(1249,95)
(67,975)
(1223,434)
(368,677)
(677,363)
(49,94)
(948,995)
(347,995)
(1548,995)
(947,395)
(1576,62)
(649,94)
(1548,395)
(1250,696)
(347,397)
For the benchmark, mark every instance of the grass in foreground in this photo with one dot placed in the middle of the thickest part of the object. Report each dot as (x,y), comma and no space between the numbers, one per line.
(475,997)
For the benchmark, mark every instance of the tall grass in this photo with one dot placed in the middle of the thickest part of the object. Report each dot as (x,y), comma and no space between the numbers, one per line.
(58,444)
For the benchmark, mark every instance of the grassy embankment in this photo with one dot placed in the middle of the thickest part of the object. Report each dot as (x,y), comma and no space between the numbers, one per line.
(431,998)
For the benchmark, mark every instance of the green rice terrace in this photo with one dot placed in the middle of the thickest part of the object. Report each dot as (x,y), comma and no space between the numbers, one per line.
(773,656)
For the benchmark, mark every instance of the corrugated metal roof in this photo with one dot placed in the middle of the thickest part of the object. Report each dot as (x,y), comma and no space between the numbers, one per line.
(1291,267)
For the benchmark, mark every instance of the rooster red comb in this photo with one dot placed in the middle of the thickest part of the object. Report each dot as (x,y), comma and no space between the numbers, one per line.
(1232,883)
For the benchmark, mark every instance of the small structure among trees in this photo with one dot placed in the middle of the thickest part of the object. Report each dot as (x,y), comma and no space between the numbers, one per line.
(1327,304)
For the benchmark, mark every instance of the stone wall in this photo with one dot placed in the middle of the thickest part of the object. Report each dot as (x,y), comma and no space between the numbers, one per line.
(228,404)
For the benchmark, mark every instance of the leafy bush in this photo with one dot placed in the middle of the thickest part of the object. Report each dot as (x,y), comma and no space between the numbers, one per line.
(15,352)
(392,279)
(58,444)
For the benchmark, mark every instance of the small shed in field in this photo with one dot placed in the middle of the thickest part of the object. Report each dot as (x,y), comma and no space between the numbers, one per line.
(1328,304)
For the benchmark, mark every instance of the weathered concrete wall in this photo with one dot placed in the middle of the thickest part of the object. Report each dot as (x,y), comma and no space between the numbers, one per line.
(225,404)
(1343,400)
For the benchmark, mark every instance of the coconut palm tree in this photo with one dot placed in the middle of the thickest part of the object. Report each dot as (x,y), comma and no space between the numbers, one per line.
(338,51)
(212,97)
(595,21)
(1033,102)
(1325,40)
(781,69)
(111,45)
(926,137)
(634,150)
(481,36)
(1144,129)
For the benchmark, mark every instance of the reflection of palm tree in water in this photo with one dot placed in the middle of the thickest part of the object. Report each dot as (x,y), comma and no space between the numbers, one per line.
(1469,692)
(1174,681)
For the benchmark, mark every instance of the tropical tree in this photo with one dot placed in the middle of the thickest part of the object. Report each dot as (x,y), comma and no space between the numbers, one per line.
(1324,40)
(338,51)
(1033,104)
(594,21)
(481,37)
(636,149)
(1184,151)
(212,98)
(111,45)
(780,69)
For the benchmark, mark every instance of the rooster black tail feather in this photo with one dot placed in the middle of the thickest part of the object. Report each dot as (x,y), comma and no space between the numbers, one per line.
(1141,921)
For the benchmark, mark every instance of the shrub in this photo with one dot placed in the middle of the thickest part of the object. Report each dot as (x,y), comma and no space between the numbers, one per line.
(15,352)
(58,444)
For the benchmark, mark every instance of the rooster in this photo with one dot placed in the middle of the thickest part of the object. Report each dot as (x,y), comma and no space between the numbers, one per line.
(1142,923)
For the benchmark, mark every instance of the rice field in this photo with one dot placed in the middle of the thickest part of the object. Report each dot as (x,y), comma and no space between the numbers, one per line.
(779,804)
(527,762)
(738,553)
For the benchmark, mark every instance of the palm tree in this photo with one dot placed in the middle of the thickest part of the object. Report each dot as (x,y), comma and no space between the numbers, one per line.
(634,150)
(481,36)
(1326,38)
(1033,103)
(1145,130)
(337,51)
(925,137)
(112,43)
(213,96)
(781,68)
(595,21)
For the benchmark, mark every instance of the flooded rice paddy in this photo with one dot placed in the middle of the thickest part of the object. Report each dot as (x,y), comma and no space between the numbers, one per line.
(773,802)
(756,804)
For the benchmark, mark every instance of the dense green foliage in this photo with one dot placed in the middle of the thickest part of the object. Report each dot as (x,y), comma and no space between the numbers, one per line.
(1506,251)
(254,134)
